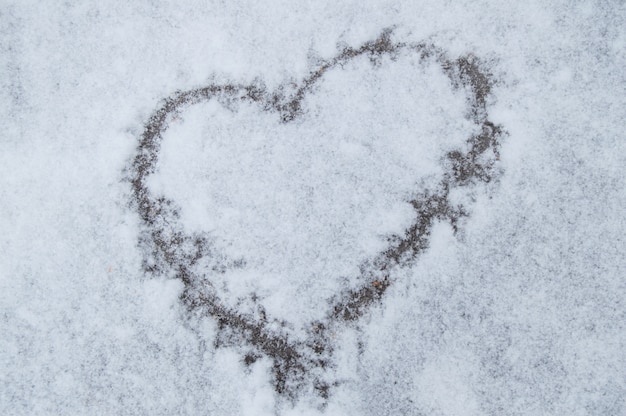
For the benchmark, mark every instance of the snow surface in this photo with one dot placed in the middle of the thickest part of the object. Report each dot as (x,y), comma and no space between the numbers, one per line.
(521,312)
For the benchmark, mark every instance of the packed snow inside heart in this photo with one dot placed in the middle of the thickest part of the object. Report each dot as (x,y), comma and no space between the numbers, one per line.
(300,206)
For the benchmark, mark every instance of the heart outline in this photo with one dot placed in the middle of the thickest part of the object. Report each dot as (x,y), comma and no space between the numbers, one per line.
(168,249)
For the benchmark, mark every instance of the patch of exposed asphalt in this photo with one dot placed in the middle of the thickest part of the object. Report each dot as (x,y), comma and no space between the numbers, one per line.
(300,365)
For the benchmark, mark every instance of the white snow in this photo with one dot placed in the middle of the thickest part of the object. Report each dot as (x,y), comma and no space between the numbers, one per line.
(521,312)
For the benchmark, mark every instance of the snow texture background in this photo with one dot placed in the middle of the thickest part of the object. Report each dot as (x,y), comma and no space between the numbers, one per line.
(520,313)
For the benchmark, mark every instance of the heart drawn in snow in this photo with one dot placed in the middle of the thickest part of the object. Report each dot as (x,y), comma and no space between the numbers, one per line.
(307,200)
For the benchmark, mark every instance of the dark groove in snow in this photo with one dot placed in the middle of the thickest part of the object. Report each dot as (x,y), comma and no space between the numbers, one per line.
(301,365)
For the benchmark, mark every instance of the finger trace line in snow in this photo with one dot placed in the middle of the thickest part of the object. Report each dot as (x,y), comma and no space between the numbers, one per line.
(169,250)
